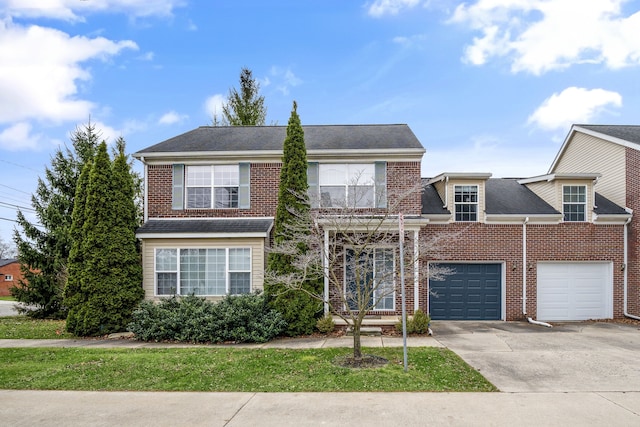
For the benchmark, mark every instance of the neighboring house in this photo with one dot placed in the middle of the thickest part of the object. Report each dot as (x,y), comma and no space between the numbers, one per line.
(613,152)
(546,247)
(10,275)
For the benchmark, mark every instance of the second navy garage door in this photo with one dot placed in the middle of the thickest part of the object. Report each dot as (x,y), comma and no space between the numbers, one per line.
(472,292)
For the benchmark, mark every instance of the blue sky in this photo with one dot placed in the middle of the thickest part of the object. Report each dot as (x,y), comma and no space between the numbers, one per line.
(486,85)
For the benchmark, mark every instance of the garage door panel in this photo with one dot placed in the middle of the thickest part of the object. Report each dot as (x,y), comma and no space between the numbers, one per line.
(575,291)
(472,292)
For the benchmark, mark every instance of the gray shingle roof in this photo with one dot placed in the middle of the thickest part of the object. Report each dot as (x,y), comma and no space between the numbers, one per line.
(605,206)
(7,261)
(204,226)
(505,196)
(629,133)
(268,138)
(431,201)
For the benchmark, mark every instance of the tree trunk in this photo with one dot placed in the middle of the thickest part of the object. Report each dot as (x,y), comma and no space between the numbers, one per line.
(357,351)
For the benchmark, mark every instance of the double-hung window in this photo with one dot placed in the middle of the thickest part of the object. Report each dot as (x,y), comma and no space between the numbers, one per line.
(195,271)
(347,185)
(574,202)
(466,202)
(369,279)
(212,187)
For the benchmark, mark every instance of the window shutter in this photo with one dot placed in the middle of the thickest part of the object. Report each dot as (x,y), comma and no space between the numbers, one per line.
(381,184)
(177,190)
(244,189)
(313,179)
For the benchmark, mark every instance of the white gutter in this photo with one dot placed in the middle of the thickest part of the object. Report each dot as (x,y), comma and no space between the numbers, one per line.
(626,282)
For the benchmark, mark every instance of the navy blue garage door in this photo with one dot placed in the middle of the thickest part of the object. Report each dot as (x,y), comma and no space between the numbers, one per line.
(472,292)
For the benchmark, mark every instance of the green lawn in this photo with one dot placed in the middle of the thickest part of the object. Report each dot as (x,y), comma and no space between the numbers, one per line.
(232,370)
(5,298)
(17,327)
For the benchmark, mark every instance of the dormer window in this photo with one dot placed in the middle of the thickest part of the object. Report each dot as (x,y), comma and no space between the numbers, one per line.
(574,203)
(466,203)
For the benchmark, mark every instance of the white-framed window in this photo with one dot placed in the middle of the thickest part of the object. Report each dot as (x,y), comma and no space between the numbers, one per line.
(371,277)
(203,271)
(212,187)
(466,203)
(574,203)
(351,185)
(8,277)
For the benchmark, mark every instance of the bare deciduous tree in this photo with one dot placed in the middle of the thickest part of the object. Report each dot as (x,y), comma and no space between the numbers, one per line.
(355,251)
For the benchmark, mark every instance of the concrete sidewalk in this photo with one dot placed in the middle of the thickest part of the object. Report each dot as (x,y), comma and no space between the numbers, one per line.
(301,343)
(157,409)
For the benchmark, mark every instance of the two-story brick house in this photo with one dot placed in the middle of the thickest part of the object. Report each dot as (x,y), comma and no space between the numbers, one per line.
(212,195)
(547,247)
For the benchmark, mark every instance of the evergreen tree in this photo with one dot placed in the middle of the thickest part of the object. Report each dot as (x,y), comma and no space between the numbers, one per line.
(299,309)
(43,248)
(108,284)
(72,296)
(247,107)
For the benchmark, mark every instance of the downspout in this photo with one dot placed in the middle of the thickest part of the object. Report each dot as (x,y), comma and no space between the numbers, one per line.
(145,202)
(524,277)
(524,266)
(625,273)
(325,267)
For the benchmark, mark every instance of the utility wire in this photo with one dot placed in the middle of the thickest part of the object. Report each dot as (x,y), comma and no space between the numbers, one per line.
(14,189)
(9,205)
(20,166)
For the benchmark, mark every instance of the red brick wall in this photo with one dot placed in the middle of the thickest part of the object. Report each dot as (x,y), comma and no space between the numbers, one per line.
(401,178)
(633,202)
(12,269)
(503,243)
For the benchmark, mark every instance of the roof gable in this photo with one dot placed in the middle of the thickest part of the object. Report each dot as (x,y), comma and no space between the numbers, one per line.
(625,135)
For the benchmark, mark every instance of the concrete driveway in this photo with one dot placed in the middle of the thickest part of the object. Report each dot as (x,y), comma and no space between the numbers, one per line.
(7,308)
(570,357)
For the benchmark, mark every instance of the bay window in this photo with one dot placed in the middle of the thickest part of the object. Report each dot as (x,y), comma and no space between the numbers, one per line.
(206,272)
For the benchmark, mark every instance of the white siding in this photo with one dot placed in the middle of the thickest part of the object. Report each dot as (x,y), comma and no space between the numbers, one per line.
(148,254)
(585,153)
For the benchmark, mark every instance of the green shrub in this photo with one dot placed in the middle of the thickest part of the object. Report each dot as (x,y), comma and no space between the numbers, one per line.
(326,324)
(418,324)
(239,318)
(299,309)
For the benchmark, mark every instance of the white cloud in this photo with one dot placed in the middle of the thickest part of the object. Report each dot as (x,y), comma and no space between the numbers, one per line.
(172,117)
(573,105)
(18,137)
(72,10)
(284,79)
(213,105)
(538,36)
(41,71)
(390,7)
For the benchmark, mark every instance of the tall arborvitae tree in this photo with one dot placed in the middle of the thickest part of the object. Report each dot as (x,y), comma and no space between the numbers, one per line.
(111,276)
(43,247)
(73,289)
(299,309)
(247,107)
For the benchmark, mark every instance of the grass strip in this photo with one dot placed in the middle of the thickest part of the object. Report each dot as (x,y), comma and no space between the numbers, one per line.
(233,370)
(23,327)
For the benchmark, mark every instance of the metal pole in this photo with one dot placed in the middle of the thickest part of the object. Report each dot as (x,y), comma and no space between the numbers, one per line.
(402,290)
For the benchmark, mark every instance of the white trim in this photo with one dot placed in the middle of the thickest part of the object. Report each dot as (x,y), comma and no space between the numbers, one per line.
(560,176)
(227,271)
(200,235)
(416,270)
